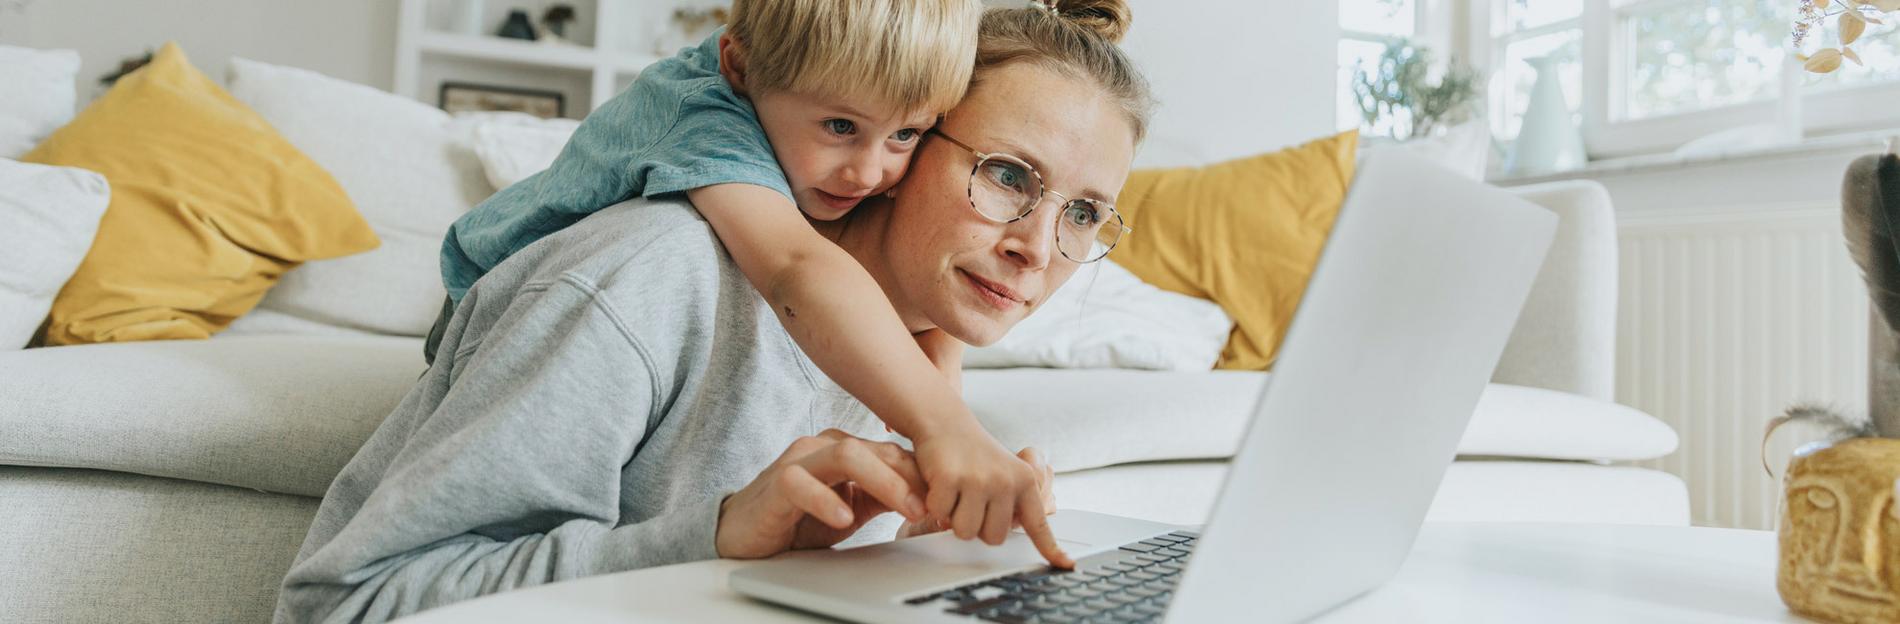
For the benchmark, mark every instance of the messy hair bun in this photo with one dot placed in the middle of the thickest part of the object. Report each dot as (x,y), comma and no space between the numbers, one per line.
(1076,37)
(1107,18)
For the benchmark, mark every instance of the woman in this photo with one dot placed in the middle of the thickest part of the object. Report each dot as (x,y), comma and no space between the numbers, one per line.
(617,394)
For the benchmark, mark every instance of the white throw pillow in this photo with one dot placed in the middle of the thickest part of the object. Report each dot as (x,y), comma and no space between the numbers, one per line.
(48,216)
(411,171)
(513,146)
(1464,148)
(1105,317)
(37,97)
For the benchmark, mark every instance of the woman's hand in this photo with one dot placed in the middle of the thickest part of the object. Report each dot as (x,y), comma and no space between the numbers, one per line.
(1045,485)
(816,494)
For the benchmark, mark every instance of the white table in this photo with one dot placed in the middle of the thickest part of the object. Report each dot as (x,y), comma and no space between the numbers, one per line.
(1457,573)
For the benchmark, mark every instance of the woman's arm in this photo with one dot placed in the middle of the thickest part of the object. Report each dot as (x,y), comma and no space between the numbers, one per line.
(513,479)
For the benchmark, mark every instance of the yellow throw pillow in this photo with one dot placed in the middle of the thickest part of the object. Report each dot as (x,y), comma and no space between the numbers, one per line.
(209,207)
(1244,233)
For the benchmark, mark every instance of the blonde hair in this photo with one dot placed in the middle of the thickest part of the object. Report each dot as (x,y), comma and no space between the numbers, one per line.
(1074,37)
(914,55)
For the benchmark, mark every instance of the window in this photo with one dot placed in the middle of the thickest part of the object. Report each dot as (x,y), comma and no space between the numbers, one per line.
(1683,55)
(1365,27)
(1647,76)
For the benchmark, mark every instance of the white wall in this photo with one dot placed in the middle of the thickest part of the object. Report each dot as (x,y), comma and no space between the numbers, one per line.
(350,39)
(1235,77)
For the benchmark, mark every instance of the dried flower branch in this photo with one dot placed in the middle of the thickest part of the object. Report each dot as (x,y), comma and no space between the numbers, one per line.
(1851,18)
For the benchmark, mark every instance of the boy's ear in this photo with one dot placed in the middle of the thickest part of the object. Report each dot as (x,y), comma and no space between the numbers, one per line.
(732,62)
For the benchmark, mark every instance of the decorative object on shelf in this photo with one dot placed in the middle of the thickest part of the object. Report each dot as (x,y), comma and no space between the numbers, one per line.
(1840,526)
(460,97)
(465,17)
(554,22)
(1851,19)
(127,65)
(1840,539)
(1403,90)
(689,27)
(1548,139)
(517,26)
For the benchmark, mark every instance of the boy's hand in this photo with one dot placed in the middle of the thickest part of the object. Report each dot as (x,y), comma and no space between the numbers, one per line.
(983,491)
(1045,483)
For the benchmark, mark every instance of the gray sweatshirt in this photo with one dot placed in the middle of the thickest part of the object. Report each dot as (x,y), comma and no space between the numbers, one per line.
(593,400)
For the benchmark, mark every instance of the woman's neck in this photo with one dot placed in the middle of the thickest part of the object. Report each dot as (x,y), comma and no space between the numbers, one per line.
(861,234)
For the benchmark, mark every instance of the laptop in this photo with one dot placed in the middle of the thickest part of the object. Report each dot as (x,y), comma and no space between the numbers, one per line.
(1398,332)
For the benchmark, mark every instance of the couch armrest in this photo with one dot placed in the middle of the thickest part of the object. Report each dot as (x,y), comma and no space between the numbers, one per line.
(1566,337)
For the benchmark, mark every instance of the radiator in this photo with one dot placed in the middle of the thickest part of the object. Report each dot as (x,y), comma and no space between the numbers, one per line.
(1724,321)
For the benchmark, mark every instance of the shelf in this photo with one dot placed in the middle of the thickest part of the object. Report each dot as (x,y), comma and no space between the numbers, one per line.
(419,44)
(529,53)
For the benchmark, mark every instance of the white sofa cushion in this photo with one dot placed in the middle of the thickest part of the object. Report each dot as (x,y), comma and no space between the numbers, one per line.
(1107,318)
(278,413)
(48,217)
(285,413)
(411,172)
(513,146)
(38,97)
(1472,491)
(1086,419)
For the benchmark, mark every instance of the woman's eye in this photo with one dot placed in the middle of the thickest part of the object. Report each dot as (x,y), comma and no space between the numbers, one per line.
(906,135)
(1007,175)
(840,126)
(1082,215)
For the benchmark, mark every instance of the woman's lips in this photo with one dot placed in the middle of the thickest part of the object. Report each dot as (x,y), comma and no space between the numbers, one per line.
(998,295)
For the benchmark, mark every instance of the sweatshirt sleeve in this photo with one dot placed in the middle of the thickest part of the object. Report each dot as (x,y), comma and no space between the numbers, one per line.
(512,480)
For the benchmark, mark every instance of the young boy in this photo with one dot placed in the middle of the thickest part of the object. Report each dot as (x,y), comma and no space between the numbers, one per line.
(801,108)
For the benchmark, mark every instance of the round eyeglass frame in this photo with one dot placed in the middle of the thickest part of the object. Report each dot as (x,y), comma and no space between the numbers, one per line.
(1042,188)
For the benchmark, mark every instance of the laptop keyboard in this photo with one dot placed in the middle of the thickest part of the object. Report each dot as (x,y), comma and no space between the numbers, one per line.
(1132,584)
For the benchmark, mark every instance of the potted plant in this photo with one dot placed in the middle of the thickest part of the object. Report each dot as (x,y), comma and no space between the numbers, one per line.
(1402,88)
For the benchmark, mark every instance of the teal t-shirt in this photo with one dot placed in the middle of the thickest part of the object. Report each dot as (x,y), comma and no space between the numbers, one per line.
(679,127)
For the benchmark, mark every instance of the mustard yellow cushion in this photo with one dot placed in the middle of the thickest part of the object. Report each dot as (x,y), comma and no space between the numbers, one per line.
(1244,233)
(209,207)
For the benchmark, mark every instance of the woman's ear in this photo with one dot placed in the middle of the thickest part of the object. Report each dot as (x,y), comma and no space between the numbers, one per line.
(732,61)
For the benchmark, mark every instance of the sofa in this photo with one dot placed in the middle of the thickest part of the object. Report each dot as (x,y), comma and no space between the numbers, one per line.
(174,481)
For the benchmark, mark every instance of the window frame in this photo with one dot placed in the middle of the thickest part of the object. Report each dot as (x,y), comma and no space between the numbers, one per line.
(1604,54)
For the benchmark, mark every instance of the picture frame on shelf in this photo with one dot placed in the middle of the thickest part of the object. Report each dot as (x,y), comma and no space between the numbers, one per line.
(458,97)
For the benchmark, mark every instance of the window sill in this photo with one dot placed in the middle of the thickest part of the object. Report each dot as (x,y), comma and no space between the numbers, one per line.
(1875,141)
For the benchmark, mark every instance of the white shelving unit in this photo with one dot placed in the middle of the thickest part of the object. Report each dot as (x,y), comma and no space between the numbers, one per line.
(417,43)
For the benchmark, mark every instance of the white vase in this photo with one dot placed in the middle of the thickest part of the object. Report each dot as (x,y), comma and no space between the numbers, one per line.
(1548,140)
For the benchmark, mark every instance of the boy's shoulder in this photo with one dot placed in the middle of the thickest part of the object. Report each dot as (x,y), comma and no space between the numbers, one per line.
(691,76)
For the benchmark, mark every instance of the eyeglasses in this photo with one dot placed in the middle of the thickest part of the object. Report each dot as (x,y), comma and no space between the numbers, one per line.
(1004,189)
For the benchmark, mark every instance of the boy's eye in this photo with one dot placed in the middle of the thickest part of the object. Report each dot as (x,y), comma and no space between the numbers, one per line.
(906,135)
(840,126)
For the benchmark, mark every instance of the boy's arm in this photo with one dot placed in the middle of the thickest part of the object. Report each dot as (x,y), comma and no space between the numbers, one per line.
(946,352)
(832,307)
(844,322)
